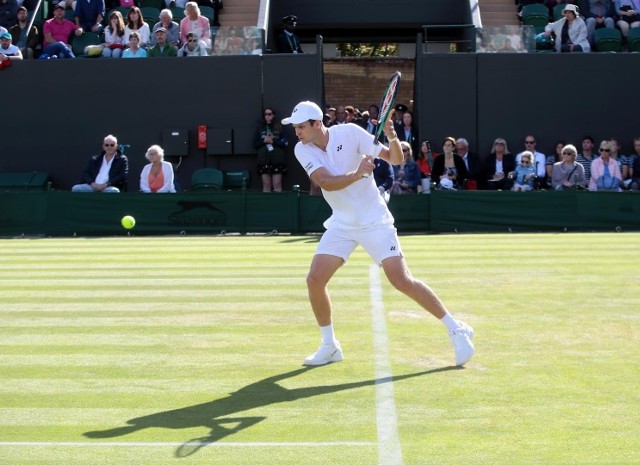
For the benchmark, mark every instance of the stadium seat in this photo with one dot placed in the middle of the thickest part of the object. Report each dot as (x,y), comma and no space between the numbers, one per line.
(235,179)
(536,15)
(608,39)
(207,179)
(633,39)
(159,4)
(150,14)
(25,181)
(178,13)
(557,11)
(78,43)
(208,13)
(70,15)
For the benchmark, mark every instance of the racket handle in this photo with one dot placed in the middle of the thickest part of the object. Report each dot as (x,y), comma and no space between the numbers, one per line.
(365,175)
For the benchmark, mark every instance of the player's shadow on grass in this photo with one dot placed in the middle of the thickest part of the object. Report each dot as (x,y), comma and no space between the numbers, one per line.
(213,415)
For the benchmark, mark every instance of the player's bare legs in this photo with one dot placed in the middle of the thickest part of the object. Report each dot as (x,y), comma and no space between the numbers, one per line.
(400,277)
(323,267)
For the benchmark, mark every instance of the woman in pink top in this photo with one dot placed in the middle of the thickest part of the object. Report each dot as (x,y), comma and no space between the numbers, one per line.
(196,23)
(157,176)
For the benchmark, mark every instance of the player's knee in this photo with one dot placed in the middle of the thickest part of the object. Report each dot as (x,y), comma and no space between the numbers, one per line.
(402,283)
(315,281)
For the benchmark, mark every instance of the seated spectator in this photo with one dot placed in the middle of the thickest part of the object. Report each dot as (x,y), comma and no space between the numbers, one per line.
(552,4)
(605,171)
(8,51)
(407,174)
(553,159)
(409,132)
(628,15)
(383,175)
(631,172)
(172,28)
(135,23)
(196,24)
(157,176)
(568,173)
(425,160)
(570,31)
(539,158)
(616,155)
(8,13)
(134,50)
(635,168)
(114,39)
(106,172)
(587,156)
(599,14)
(162,48)
(524,173)
(499,164)
(449,166)
(27,43)
(56,34)
(472,163)
(192,48)
(89,15)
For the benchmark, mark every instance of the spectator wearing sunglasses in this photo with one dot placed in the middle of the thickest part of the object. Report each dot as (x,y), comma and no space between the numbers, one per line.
(539,158)
(271,143)
(192,47)
(498,165)
(106,172)
(605,171)
(524,173)
(568,173)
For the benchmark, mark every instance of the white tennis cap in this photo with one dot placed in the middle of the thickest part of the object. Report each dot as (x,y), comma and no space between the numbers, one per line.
(304,111)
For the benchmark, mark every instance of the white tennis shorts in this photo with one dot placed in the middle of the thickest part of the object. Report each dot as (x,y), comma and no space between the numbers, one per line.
(380,243)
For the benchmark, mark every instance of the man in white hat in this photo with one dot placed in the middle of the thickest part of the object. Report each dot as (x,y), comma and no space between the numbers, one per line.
(340,160)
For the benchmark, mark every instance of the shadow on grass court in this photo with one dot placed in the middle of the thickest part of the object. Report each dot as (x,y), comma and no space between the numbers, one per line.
(258,394)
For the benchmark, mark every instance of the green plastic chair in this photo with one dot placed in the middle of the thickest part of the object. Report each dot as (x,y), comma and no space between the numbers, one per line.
(633,39)
(207,179)
(608,39)
(208,13)
(178,13)
(159,4)
(150,14)
(78,43)
(536,15)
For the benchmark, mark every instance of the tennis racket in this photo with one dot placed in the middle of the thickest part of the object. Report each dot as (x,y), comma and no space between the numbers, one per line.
(386,107)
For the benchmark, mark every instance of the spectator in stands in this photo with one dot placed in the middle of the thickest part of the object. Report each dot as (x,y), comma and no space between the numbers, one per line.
(270,141)
(135,23)
(568,173)
(499,164)
(287,40)
(570,31)
(134,50)
(407,174)
(8,51)
(409,132)
(599,14)
(175,3)
(628,12)
(192,47)
(449,166)
(162,48)
(632,173)
(424,159)
(552,4)
(27,43)
(553,159)
(197,24)
(587,156)
(8,13)
(471,161)
(56,34)
(331,113)
(172,28)
(341,116)
(397,115)
(89,15)
(539,158)
(106,172)
(605,171)
(635,167)
(114,39)
(157,176)
(616,155)
(372,123)
(383,175)
(524,174)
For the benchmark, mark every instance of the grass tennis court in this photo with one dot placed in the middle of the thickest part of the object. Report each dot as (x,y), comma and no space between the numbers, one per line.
(157,350)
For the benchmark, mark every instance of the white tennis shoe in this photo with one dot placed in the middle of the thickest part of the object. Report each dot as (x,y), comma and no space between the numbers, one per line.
(462,345)
(326,353)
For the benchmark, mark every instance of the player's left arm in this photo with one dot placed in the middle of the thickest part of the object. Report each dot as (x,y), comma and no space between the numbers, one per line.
(393,154)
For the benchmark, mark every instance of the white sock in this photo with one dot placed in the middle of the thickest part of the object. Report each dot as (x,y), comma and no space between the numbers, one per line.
(328,336)
(449,322)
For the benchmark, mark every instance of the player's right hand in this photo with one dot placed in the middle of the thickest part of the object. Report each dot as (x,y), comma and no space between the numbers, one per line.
(366,167)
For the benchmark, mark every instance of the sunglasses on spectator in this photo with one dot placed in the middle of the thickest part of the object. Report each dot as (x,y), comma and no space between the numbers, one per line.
(499,143)
(268,113)
(605,150)
(529,141)
(567,153)
(525,162)
(109,145)
(191,40)
(405,150)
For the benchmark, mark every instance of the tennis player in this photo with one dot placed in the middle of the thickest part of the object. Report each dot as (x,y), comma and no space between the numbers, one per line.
(340,160)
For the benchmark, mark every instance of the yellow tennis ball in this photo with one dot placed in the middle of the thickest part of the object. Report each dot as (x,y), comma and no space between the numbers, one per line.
(128,222)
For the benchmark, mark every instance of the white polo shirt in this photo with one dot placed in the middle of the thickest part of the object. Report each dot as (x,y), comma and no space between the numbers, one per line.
(360,205)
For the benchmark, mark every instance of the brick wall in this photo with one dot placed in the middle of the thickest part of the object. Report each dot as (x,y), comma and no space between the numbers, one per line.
(361,81)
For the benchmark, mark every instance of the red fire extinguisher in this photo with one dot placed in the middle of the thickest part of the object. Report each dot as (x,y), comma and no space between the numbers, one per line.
(202,136)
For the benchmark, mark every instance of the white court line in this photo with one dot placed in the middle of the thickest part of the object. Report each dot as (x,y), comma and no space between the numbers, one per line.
(389,450)
(178,444)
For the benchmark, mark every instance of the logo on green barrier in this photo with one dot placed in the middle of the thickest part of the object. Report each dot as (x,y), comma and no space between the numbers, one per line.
(198,213)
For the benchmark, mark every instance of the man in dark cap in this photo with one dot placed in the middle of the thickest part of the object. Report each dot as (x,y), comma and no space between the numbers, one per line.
(25,42)
(288,41)
(397,116)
